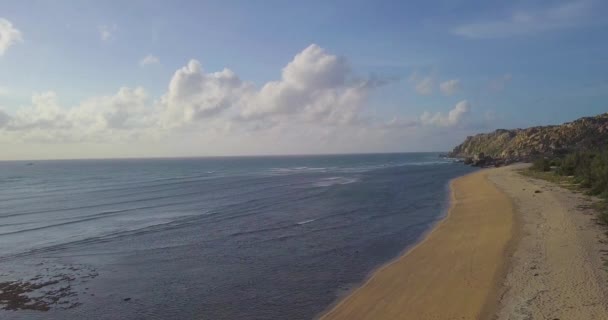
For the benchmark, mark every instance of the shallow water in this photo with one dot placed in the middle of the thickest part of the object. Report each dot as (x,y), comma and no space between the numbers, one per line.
(212,238)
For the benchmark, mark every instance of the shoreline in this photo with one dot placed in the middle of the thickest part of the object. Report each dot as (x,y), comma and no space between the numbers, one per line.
(395,287)
(442,217)
(493,303)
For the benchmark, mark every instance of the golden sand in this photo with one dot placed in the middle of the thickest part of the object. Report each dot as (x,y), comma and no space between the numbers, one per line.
(453,273)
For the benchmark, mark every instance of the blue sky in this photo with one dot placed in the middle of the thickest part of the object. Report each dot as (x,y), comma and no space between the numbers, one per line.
(512,63)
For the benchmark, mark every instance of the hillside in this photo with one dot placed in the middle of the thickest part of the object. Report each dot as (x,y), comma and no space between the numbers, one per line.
(586,133)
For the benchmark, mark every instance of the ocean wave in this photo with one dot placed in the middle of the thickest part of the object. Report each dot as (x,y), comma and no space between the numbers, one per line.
(306,221)
(285,171)
(355,168)
(428,163)
(327,182)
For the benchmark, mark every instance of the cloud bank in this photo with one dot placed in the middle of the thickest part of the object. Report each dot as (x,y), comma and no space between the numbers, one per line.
(317,105)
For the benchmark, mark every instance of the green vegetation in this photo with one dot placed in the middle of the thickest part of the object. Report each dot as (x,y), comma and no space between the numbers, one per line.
(586,169)
(541,164)
(590,170)
(563,181)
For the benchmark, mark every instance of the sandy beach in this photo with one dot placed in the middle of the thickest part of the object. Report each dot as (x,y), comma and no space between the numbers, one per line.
(557,270)
(510,247)
(453,273)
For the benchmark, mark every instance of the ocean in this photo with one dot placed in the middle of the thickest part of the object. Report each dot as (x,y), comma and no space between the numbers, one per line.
(277,237)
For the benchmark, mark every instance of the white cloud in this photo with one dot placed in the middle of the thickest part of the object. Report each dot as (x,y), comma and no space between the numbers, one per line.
(316,105)
(314,86)
(194,95)
(423,85)
(315,89)
(522,23)
(455,117)
(106,33)
(148,60)
(9,35)
(103,118)
(450,87)
(44,113)
(124,110)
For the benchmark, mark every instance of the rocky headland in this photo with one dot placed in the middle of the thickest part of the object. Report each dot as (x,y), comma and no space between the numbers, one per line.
(504,146)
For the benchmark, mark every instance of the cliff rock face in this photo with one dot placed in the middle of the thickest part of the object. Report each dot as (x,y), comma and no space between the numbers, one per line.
(582,134)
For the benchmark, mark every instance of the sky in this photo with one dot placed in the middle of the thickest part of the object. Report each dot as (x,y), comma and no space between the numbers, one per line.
(111,79)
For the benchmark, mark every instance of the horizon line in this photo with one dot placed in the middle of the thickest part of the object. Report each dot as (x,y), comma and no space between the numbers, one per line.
(221,156)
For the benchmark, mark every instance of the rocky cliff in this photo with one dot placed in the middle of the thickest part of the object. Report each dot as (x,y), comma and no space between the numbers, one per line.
(521,144)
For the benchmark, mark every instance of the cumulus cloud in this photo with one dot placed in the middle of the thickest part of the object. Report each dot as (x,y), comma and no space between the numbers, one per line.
(44,113)
(195,95)
(565,15)
(9,35)
(102,118)
(316,104)
(316,86)
(149,60)
(454,117)
(423,85)
(124,110)
(450,87)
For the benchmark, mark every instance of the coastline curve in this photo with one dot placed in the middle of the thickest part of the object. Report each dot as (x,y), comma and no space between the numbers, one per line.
(453,272)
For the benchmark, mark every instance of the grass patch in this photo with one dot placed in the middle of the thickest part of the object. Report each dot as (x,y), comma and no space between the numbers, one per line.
(602,208)
(563,181)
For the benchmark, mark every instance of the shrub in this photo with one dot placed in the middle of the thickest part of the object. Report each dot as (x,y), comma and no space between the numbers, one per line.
(590,171)
(555,162)
(568,165)
(541,164)
(589,168)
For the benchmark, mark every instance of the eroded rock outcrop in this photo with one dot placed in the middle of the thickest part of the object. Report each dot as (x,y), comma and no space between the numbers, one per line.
(504,146)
